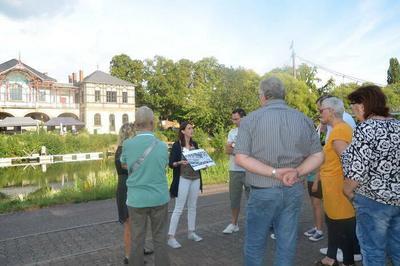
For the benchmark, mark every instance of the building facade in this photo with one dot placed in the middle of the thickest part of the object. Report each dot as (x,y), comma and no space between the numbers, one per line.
(101,101)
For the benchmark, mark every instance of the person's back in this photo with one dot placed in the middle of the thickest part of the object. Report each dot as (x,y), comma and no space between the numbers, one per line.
(276,144)
(147,186)
(146,159)
(278,138)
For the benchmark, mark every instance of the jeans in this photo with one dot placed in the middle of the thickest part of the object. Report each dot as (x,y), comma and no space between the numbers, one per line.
(378,230)
(158,220)
(188,190)
(277,206)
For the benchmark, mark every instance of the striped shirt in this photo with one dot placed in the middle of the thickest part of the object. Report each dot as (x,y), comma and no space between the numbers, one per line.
(278,136)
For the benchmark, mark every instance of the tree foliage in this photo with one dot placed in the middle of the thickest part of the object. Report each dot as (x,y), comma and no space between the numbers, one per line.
(205,91)
(393,73)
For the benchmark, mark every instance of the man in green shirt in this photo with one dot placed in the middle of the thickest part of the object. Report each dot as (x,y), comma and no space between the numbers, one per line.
(147,194)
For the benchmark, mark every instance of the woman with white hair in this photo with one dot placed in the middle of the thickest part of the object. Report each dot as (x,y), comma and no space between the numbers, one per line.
(339,212)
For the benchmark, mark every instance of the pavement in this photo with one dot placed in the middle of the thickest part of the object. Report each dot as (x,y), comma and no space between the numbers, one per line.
(89,234)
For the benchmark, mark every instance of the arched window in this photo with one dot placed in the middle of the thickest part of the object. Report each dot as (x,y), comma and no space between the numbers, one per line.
(112,122)
(125,118)
(97,120)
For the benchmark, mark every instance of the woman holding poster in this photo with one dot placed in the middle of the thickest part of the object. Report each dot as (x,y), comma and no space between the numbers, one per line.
(185,185)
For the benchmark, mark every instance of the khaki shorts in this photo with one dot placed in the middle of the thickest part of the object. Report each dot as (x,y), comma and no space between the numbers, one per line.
(236,185)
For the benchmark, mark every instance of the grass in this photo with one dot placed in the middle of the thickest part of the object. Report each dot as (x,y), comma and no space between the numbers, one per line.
(99,187)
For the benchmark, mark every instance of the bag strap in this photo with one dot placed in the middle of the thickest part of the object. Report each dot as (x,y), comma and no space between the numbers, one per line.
(141,159)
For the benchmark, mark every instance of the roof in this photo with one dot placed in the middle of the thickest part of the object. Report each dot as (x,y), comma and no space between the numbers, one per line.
(104,78)
(18,122)
(14,62)
(65,121)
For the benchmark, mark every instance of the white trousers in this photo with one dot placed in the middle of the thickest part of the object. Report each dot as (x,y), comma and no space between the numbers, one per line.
(188,190)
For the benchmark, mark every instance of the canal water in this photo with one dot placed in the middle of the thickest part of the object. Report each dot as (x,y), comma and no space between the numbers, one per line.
(21,181)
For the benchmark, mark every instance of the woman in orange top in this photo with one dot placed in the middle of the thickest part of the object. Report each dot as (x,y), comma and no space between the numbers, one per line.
(340,215)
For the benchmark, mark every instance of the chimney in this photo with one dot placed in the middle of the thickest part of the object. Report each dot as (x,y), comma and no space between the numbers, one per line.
(74,77)
(69,78)
(80,75)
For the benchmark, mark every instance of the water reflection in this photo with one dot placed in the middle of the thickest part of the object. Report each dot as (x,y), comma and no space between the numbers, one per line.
(21,181)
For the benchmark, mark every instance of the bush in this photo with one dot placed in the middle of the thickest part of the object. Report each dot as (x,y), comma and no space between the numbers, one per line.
(218,141)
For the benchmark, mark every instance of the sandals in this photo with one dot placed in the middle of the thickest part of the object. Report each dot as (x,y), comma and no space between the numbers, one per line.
(320,263)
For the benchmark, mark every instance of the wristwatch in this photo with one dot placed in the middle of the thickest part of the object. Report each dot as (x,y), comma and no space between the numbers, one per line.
(274,173)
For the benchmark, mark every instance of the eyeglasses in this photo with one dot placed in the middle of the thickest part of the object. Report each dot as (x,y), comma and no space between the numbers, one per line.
(322,110)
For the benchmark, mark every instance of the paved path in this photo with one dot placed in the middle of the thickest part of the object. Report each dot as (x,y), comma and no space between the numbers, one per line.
(89,234)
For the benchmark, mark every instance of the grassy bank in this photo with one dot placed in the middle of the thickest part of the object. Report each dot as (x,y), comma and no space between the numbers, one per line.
(94,182)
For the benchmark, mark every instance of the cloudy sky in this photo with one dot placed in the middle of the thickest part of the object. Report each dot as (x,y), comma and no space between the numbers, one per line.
(356,38)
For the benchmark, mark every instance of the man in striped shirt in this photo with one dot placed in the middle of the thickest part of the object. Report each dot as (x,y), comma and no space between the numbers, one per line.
(276,145)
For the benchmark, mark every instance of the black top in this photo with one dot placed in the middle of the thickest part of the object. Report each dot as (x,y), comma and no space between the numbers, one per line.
(175,156)
(120,170)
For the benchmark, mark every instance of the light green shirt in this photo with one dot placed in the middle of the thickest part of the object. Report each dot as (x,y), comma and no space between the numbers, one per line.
(147,186)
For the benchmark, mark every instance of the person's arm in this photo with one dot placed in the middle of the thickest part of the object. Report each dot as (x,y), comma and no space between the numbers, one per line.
(175,156)
(122,158)
(314,187)
(229,148)
(348,188)
(311,163)
(339,146)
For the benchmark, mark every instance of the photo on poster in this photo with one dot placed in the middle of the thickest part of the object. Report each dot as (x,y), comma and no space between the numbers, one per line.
(198,159)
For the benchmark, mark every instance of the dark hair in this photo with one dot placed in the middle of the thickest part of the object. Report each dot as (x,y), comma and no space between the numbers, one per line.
(322,98)
(239,111)
(373,99)
(181,137)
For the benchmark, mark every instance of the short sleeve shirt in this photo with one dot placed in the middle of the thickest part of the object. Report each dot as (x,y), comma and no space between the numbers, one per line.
(278,136)
(373,160)
(147,186)
(232,135)
(336,205)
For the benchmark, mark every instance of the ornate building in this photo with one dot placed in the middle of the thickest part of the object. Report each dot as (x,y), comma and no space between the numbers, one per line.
(101,101)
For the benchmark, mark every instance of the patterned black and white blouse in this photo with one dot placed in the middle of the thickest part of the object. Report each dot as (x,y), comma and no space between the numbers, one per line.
(373,160)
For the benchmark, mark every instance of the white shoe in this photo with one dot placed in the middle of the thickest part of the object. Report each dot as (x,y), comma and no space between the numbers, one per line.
(357,257)
(231,228)
(323,251)
(273,236)
(339,256)
(173,243)
(193,236)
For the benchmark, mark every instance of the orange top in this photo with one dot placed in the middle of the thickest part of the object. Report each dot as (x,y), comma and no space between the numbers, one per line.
(336,204)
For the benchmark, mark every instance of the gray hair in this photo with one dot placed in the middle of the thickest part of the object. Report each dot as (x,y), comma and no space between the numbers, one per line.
(272,88)
(125,132)
(335,104)
(144,117)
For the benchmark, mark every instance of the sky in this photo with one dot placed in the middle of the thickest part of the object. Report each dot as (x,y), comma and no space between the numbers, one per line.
(353,37)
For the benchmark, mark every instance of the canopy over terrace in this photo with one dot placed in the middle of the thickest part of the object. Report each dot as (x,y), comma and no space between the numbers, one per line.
(65,121)
(18,122)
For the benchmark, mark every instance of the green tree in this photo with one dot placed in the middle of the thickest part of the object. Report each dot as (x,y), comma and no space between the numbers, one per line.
(392,93)
(393,73)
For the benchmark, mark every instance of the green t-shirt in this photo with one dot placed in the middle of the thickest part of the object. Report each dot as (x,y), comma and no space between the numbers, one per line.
(147,186)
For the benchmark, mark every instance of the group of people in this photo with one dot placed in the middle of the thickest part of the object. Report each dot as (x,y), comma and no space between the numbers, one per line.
(355,174)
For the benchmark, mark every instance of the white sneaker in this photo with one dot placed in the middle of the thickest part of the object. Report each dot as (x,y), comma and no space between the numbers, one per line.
(231,228)
(173,243)
(193,236)
(323,251)
(273,236)
(357,257)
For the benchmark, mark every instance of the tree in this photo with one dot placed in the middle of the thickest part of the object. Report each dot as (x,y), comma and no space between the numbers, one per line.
(393,73)
(123,67)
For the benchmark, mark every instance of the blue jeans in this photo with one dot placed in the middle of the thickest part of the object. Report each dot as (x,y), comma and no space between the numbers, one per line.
(378,231)
(280,207)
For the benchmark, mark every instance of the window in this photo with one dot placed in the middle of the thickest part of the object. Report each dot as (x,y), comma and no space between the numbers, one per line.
(111,96)
(16,92)
(112,122)
(97,120)
(42,95)
(97,96)
(125,118)
(125,97)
